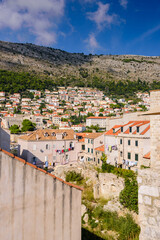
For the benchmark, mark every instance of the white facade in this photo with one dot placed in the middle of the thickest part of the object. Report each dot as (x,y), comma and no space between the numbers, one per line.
(101,121)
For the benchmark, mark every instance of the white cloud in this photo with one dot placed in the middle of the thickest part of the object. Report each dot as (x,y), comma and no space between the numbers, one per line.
(146,34)
(40,17)
(124,3)
(92,43)
(101,17)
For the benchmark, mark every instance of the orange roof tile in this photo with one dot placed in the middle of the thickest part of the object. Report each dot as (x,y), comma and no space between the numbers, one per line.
(97,117)
(101,148)
(127,131)
(47,135)
(147,156)
(93,135)
(145,130)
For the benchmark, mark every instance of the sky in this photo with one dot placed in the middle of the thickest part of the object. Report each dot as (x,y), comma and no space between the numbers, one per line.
(88,26)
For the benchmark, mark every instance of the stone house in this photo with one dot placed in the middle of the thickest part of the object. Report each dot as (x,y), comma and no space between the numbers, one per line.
(101,121)
(128,145)
(57,146)
(91,142)
(98,154)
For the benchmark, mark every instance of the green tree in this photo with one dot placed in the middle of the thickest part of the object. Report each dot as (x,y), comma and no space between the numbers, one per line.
(14,129)
(27,125)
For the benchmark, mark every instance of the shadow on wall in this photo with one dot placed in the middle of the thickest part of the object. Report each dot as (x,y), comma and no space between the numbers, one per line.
(4,140)
(31,158)
(87,235)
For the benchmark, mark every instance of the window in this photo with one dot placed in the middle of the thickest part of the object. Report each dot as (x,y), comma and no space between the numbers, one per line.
(120,141)
(88,159)
(91,150)
(47,146)
(83,147)
(88,140)
(136,143)
(92,141)
(88,150)
(113,130)
(34,160)
(98,160)
(34,146)
(121,154)
(71,145)
(129,155)
(129,142)
(137,129)
(121,129)
(130,129)
(136,157)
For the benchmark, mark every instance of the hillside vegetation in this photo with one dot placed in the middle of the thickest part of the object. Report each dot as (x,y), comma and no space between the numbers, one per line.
(19,82)
(57,64)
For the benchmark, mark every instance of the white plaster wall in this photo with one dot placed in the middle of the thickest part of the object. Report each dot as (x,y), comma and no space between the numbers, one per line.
(36,206)
(27,151)
(111,141)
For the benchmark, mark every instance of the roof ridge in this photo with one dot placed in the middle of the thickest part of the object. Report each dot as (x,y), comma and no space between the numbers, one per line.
(39,169)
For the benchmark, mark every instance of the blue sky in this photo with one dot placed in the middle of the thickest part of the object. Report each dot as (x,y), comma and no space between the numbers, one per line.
(88,26)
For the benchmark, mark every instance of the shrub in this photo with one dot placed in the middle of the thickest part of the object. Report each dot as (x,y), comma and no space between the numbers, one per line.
(124,226)
(88,193)
(129,195)
(72,176)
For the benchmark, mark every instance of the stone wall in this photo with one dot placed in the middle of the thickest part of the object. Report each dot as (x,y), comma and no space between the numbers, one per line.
(149,204)
(109,186)
(149,179)
(35,205)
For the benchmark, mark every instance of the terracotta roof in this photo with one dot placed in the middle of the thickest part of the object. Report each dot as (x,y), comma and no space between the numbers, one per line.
(97,117)
(41,170)
(147,156)
(145,130)
(127,131)
(48,134)
(101,148)
(93,135)
(137,124)
(110,132)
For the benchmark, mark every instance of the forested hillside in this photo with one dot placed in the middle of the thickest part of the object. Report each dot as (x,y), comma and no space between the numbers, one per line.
(14,82)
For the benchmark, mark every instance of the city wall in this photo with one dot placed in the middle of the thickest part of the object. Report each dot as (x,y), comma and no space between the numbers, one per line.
(35,205)
(149,179)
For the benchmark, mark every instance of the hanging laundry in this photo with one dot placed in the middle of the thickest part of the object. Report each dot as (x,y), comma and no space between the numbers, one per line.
(110,148)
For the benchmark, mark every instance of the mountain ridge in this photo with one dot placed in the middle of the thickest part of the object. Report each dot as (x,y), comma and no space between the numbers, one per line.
(56,63)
